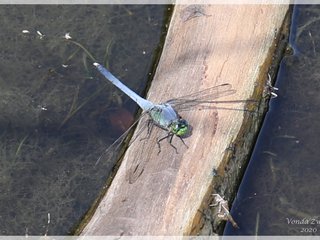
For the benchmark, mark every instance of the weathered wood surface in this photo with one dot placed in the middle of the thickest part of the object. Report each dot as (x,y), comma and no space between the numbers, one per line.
(206,45)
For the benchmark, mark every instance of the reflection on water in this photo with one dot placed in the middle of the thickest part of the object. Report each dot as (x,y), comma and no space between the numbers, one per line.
(280,191)
(56,119)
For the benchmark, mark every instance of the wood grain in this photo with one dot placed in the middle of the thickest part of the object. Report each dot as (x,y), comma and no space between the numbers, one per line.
(206,45)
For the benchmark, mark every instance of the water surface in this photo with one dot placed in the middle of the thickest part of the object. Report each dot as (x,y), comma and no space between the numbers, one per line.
(279,194)
(57,117)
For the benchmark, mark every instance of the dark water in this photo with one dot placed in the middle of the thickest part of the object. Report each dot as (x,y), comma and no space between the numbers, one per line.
(56,116)
(280,192)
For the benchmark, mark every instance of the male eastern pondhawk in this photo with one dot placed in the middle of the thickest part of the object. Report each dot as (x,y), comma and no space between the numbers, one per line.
(165,115)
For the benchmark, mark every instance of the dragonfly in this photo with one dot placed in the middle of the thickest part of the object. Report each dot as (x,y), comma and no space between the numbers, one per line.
(166,115)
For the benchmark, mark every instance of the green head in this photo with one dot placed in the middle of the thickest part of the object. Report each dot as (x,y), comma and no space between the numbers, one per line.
(181,128)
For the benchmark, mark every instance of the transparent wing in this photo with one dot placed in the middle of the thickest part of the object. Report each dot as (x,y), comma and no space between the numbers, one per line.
(136,166)
(204,97)
(112,150)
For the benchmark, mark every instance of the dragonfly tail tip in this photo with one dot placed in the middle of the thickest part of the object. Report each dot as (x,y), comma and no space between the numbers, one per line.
(96,64)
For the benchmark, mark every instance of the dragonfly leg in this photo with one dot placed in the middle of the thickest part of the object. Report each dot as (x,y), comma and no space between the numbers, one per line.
(183,142)
(169,137)
(158,142)
(150,125)
(170,141)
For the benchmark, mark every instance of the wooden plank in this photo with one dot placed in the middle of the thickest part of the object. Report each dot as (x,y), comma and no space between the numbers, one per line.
(206,45)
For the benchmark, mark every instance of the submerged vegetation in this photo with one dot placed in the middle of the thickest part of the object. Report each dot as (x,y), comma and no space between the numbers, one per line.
(56,119)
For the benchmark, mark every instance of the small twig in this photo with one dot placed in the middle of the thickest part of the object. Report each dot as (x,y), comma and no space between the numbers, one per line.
(106,55)
(223,209)
(21,144)
(83,48)
(257,224)
(271,89)
(48,223)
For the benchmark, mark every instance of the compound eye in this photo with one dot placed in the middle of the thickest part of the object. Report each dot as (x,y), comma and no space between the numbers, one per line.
(181,127)
(182,123)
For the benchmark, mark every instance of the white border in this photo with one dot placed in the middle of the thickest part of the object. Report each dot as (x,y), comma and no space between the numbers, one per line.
(160,237)
(155,2)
